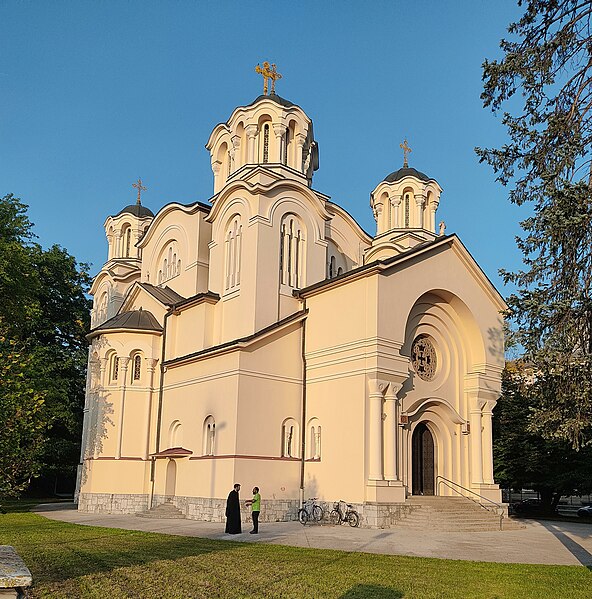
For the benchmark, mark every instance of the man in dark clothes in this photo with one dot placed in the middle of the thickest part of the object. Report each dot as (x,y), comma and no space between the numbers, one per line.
(233,517)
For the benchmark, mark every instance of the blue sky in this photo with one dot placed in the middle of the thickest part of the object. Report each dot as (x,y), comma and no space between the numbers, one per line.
(97,94)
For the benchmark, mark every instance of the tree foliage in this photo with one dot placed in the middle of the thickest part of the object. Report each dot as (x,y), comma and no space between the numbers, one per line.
(545,77)
(525,459)
(43,320)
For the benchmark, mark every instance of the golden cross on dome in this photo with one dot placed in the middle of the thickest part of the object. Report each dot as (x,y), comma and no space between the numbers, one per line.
(406,150)
(138,185)
(268,72)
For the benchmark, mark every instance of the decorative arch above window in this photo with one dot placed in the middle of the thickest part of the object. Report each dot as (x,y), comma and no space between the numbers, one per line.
(209,436)
(176,434)
(233,243)
(291,251)
(290,438)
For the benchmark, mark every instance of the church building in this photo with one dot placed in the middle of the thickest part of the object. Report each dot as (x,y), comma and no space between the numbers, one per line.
(262,337)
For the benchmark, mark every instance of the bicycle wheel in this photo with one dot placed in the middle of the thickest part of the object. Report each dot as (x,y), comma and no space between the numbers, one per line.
(317,513)
(353,518)
(335,517)
(302,516)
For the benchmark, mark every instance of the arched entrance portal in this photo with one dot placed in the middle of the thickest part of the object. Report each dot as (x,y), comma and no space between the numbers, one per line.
(171,478)
(423,468)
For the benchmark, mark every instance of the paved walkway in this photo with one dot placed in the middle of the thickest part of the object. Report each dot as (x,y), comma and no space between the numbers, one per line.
(544,542)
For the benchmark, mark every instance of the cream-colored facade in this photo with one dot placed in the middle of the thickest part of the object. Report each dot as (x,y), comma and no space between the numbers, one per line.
(265,338)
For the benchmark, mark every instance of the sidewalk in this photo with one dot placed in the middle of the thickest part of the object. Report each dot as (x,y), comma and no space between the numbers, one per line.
(546,542)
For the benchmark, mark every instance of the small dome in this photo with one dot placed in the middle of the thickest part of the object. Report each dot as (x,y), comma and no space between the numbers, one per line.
(406,172)
(274,98)
(137,210)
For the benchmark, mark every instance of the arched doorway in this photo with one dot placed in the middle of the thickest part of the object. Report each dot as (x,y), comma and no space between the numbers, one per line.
(423,468)
(171,478)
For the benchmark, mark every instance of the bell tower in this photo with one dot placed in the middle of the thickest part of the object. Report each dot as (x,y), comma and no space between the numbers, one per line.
(404,206)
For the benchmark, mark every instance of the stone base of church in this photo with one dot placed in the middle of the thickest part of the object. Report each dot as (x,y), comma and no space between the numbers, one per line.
(112,503)
(204,509)
(489,491)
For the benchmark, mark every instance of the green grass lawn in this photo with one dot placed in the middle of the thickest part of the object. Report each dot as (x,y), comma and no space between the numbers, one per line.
(69,560)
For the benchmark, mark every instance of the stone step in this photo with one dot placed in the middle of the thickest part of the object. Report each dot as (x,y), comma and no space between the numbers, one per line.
(164,510)
(450,514)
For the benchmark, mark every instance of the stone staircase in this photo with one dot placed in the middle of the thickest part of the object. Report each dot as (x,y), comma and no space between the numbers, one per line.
(163,510)
(452,514)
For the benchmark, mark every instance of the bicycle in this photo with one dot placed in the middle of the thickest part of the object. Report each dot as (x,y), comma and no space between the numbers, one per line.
(347,514)
(310,511)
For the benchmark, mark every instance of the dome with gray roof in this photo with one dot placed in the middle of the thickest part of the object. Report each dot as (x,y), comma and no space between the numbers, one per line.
(406,172)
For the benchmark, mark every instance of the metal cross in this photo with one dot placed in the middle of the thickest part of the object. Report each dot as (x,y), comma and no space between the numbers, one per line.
(138,185)
(406,150)
(268,72)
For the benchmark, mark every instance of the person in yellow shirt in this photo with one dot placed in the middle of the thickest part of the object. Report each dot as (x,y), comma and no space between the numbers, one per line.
(255,504)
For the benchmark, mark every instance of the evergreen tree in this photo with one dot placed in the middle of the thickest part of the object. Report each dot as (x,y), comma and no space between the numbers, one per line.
(547,164)
(524,459)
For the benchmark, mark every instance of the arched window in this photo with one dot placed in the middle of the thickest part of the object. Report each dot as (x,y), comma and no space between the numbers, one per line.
(176,434)
(233,253)
(128,242)
(332,267)
(406,210)
(339,271)
(286,144)
(114,368)
(290,438)
(170,263)
(291,251)
(209,436)
(137,369)
(265,143)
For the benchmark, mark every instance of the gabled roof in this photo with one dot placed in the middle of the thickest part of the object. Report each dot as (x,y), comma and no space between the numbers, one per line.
(165,295)
(172,452)
(139,320)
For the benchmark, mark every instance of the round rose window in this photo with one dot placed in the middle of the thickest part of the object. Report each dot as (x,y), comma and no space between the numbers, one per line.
(423,358)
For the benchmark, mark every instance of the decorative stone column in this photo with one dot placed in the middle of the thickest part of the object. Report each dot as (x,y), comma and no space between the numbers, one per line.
(235,153)
(475,406)
(419,204)
(123,364)
(487,440)
(395,210)
(150,368)
(376,389)
(378,214)
(216,165)
(251,131)
(300,140)
(118,244)
(391,432)
(279,131)
(433,207)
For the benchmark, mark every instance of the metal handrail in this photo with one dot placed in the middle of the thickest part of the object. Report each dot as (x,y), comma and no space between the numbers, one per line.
(499,509)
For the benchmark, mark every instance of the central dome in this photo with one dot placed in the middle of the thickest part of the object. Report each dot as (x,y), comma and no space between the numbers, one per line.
(406,172)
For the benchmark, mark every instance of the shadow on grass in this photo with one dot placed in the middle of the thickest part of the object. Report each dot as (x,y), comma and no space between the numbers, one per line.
(59,551)
(371,591)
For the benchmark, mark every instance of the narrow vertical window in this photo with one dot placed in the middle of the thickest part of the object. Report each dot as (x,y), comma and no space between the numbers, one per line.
(128,242)
(286,143)
(115,371)
(266,143)
(291,252)
(209,436)
(332,267)
(233,254)
(406,210)
(137,368)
